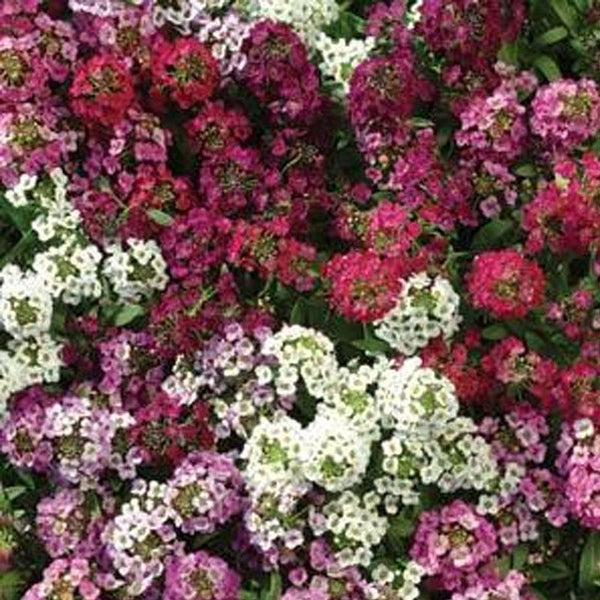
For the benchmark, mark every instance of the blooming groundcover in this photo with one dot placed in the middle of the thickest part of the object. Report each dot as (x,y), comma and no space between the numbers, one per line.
(299,300)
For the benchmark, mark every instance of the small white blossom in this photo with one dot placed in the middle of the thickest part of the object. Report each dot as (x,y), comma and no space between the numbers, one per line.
(137,271)
(426,309)
(25,303)
(306,17)
(340,57)
(334,455)
(70,271)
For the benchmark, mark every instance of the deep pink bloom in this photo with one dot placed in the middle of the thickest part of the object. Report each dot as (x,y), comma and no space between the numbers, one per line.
(506,284)
(102,91)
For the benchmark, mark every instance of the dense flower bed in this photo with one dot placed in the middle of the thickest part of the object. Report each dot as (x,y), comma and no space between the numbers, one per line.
(299,300)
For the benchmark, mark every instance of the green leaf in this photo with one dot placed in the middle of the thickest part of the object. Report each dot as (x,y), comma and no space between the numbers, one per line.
(526,171)
(128,313)
(549,69)
(494,332)
(299,312)
(273,592)
(565,13)
(553,570)
(552,36)
(589,563)
(519,557)
(372,345)
(535,341)
(160,217)
(11,584)
(509,54)
(492,233)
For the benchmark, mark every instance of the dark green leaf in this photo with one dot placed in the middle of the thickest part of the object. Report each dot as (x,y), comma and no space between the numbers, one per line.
(160,217)
(552,36)
(549,69)
(372,345)
(589,563)
(519,556)
(492,233)
(299,312)
(495,332)
(553,570)
(128,313)
(535,342)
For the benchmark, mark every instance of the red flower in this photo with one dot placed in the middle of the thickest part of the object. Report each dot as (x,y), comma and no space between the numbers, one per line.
(183,71)
(506,284)
(364,286)
(102,91)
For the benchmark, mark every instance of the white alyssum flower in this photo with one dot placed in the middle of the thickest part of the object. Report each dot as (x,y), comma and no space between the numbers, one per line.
(100,8)
(274,519)
(355,526)
(140,537)
(426,309)
(61,221)
(334,455)
(339,59)
(415,400)
(28,362)
(302,353)
(306,17)
(400,582)
(465,458)
(402,464)
(25,303)
(136,271)
(183,384)
(37,360)
(350,396)
(70,271)
(273,456)
(41,192)
(181,13)
(225,35)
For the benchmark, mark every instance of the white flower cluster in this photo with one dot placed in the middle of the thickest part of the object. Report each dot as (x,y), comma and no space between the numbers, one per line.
(410,410)
(415,400)
(181,13)
(273,456)
(457,459)
(355,525)
(46,195)
(136,271)
(335,456)
(183,383)
(351,396)
(426,309)
(140,537)
(25,303)
(274,519)
(302,353)
(100,8)
(31,356)
(225,36)
(70,271)
(82,436)
(397,583)
(307,17)
(339,58)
